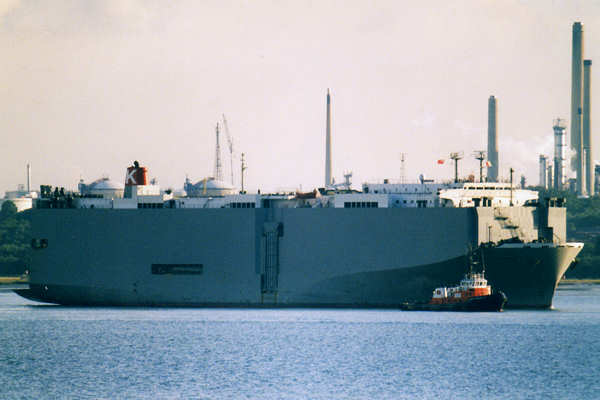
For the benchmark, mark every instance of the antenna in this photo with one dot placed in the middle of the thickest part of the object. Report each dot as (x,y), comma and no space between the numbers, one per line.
(348,180)
(482,260)
(230,145)
(480,155)
(243,168)
(456,156)
(218,168)
(402,170)
(511,186)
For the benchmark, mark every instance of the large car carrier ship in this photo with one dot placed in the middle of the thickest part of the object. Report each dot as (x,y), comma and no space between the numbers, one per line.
(333,247)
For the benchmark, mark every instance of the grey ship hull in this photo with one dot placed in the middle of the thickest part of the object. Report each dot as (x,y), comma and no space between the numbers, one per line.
(281,257)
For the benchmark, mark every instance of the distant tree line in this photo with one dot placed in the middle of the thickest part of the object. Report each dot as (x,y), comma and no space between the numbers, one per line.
(15,239)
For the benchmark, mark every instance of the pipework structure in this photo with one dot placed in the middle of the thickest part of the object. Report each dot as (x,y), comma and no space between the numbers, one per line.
(492,151)
(586,125)
(560,154)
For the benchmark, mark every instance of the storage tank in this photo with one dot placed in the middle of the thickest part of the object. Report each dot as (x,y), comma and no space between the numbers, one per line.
(209,187)
(103,187)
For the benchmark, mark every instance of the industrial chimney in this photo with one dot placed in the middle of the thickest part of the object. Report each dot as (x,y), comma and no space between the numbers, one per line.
(492,140)
(576,105)
(28,178)
(587,126)
(328,181)
(543,173)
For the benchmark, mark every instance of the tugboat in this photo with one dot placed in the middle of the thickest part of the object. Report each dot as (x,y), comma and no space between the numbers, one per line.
(472,294)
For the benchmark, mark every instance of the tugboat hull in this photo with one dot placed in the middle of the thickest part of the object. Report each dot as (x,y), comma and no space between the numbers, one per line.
(493,302)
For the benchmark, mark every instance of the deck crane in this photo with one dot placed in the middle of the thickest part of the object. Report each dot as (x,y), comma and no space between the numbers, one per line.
(229,144)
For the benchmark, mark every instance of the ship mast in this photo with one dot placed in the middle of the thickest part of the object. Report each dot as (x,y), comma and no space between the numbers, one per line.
(456,156)
(480,155)
(229,145)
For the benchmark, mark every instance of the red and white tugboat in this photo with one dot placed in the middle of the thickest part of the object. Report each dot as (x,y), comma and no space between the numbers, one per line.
(472,294)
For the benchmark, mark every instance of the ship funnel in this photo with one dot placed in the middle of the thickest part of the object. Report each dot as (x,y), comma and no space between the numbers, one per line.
(136,175)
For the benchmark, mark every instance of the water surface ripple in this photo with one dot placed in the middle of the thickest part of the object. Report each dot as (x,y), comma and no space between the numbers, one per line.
(58,352)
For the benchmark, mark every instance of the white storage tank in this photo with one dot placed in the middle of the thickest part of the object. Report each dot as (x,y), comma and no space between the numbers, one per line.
(103,187)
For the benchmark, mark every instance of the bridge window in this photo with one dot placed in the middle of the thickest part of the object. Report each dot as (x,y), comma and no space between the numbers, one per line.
(361,204)
(242,205)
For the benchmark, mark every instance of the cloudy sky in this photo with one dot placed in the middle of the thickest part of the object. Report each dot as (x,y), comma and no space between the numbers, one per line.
(86,87)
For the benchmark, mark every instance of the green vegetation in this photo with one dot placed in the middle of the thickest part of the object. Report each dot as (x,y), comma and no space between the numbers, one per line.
(14,241)
(583,225)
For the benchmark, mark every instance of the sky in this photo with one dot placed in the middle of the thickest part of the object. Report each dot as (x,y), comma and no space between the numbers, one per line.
(87,87)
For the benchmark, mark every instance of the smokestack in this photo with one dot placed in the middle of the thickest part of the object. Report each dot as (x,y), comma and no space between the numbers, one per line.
(28,178)
(560,153)
(587,126)
(543,173)
(492,140)
(576,106)
(328,181)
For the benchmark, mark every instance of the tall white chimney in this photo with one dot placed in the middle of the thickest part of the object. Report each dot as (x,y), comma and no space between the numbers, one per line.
(587,127)
(28,178)
(576,105)
(328,180)
(493,139)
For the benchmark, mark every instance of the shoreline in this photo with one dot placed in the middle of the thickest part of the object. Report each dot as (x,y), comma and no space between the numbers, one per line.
(11,280)
(579,281)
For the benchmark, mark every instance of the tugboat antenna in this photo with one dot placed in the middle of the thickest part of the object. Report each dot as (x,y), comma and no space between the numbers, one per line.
(470,257)
(482,260)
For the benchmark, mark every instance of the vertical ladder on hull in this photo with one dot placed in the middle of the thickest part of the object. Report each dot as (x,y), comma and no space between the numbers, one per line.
(269,277)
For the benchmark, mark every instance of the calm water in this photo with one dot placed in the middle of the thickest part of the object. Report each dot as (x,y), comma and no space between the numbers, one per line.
(58,352)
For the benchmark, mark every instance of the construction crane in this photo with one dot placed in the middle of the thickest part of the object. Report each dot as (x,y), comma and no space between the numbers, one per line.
(218,175)
(230,145)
